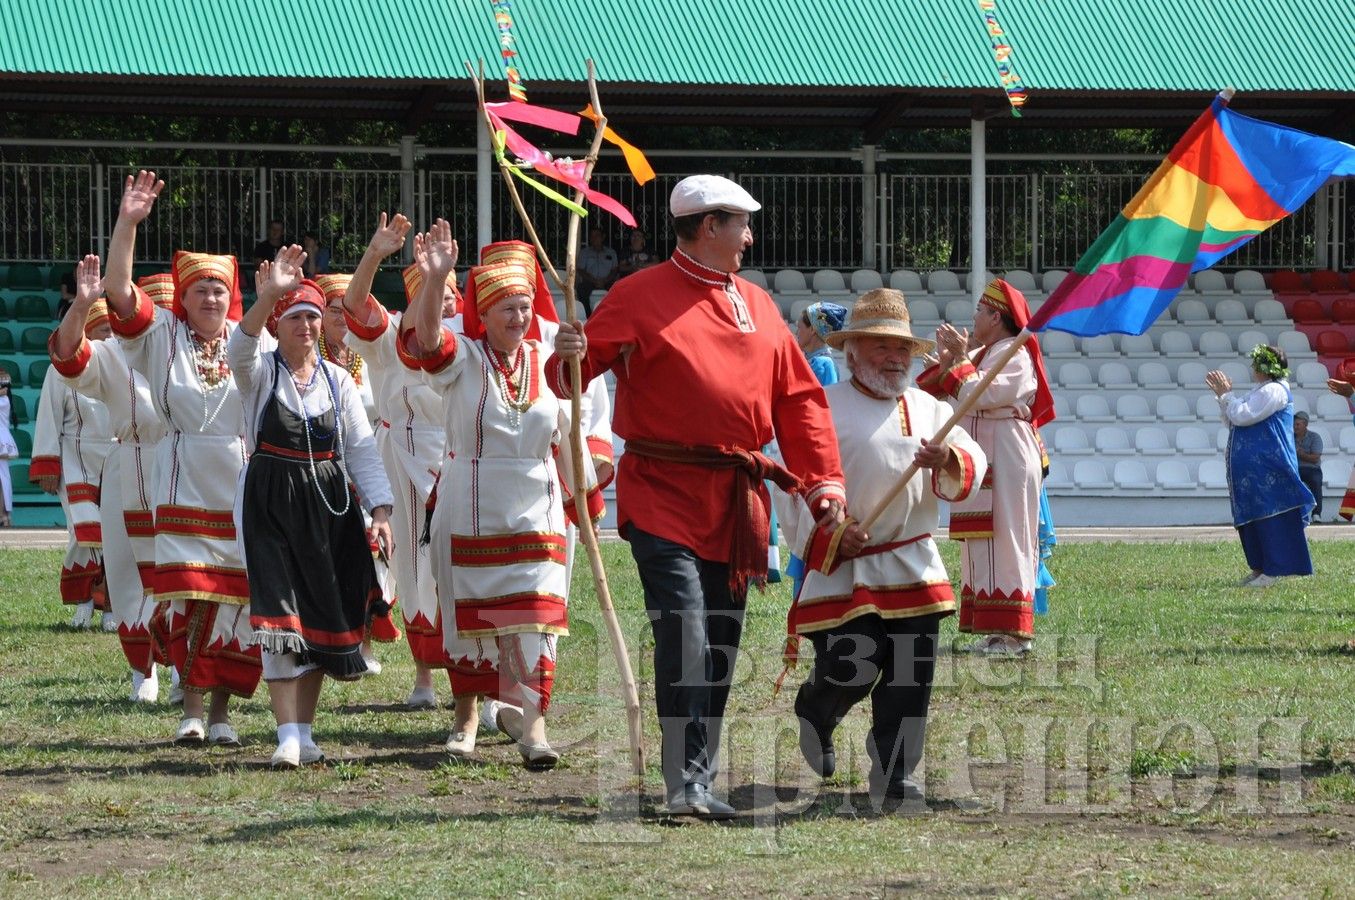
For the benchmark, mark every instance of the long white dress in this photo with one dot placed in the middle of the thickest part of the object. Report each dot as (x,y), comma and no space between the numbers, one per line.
(8,451)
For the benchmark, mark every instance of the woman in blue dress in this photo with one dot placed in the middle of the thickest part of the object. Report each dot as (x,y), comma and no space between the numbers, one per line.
(1270,502)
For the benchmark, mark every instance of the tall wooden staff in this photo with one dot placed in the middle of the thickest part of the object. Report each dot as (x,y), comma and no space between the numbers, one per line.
(630,693)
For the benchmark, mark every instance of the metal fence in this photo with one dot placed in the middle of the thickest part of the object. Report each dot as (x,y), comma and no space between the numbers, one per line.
(1035,220)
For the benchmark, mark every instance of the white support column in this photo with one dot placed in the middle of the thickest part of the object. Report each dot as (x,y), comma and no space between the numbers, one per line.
(101,201)
(261,207)
(870,238)
(1322,225)
(484,191)
(407,192)
(978,211)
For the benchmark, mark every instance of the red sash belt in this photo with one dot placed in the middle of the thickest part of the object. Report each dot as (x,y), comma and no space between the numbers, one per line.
(289,453)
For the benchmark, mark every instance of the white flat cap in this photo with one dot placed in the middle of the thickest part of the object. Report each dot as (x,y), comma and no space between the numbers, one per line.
(702,193)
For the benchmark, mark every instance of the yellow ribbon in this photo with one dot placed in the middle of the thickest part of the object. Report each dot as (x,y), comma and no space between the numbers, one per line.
(639,166)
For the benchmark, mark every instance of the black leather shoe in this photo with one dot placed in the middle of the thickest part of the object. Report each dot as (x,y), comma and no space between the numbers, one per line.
(816,740)
(696,800)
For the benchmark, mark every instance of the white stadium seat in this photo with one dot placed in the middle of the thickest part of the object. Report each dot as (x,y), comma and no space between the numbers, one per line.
(1089,473)
(866,280)
(1301,403)
(1075,375)
(1173,408)
(969,281)
(1230,312)
(905,280)
(1115,376)
(1270,312)
(1194,440)
(1211,282)
(1063,407)
(1152,441)
(1250,281)
(1311,375)
(1052,279)
(1213,474)
(1174,475)
(924,311)
(1239,373)
(1133,408)
(1058,345)
(1072,441)
(1221,439)
(960,312)
(1112,439)
(755,276)
(1022,280)
(1295,345)
(1137,345)
(1345,439)
(1155,375)
(1249,339)
(789,281)
(1332,407)
(1099,347)
(1132,475)
(943,281)
(1190,376)
(1216,344)
(1176,343)
(1207,408)
(1058,476)
(829,281)
(1336,473)
(1192,312)
(1093,408)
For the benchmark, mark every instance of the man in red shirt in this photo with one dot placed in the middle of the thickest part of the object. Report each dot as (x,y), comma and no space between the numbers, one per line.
(707,373)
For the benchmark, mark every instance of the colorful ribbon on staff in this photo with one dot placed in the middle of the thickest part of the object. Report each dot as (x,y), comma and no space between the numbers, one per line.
(503,17)
(1002,51)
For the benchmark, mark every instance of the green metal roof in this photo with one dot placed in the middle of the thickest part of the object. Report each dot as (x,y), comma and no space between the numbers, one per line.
(1080,45)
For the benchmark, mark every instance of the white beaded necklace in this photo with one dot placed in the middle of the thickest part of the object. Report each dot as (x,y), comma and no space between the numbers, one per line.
(524,380)
(218,358)
(338,429)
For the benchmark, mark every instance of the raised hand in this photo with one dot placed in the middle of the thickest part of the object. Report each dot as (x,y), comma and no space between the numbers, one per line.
(389,236)
(420,253)
(282,274)
(441,249)
(138,196)
(1340,386)
(88,285)
(1218,382)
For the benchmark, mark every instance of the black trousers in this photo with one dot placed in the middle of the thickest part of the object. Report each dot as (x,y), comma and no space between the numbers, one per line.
(697,624)
(891,660)
(1313,478)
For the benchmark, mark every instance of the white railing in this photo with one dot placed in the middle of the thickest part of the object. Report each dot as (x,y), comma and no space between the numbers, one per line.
(341,206)
(48,211)
(207,209)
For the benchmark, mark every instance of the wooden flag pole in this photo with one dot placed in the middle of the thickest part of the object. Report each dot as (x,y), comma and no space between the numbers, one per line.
(999,363)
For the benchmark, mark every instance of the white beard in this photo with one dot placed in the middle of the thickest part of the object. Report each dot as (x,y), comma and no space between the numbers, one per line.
(886,384)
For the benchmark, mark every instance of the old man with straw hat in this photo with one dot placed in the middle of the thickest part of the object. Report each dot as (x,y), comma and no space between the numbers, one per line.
(871,603)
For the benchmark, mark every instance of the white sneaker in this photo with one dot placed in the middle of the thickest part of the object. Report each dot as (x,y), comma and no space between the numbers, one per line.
(373,667)
(310,755)
(176,696)
(979,646)
(499,717)
(190,731)
(223,735)
(460,744)
(1005,645)
(107,623)
(1248,580)
(422,698)
(84,613)
(287,756)
(145,690)
(1262,581)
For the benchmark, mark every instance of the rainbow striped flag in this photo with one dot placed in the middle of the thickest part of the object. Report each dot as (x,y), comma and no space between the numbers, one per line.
(1229,178)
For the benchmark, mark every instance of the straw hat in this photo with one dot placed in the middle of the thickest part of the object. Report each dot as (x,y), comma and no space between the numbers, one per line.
(881,313)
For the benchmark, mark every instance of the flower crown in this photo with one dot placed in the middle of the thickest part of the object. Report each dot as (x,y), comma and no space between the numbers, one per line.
(1266,361)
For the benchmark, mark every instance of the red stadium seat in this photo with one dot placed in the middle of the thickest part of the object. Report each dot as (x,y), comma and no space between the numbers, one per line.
(1326,281)
(1309,312)
(1343,310)
(1287,281)
(1331,343)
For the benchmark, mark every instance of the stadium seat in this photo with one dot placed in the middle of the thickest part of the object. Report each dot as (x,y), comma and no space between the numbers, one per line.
(37,371)
(968,281)
(1250,281)
(960,311)
(1331,343)
(798,307)
(18,476)
(866,280)
(1137,345)
(1215,344)
(1230,312)
(1343,310)
(1249,339)
(12,368)
(789,281)
(1089,473)
(1194,440)
(24,441)
(1211,282)
(1132,475)
(1022,280)
(389,281)
(1346,439)
(1174,475)
(1059,478)
(1174,408)
(4,310)
(1102,346)
(6,341)
(755,276)
(1152,441)
(1269,312)
(1301,403)
(1133,408)
(829,281)
(1093,408)
(1287,281)
(1333,408)
(943,281)
(1192,312)
(1213,474)
(1155,375)
(905,280)
(1325,281)
(1294,344)
(1239,373)
(1176,343)
(1052,279)
(1207,408)
(1309,312)
(1311,375)
(1115,376)
(924,311)
(1190,376)
(26,277)
(1071,441)
(1336,473)
(1112,439)
(32,308)
(1058,345)
(1075,375)
(34,340)
(20,407)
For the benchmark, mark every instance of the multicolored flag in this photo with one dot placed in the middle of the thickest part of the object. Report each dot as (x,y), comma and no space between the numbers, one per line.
(1229,178)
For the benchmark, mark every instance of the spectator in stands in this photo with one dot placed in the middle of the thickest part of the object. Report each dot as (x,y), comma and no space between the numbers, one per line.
(1270,502)
(637,257)
(8,450)
(597,266)
(1309,445)
(268,248)
(317,255)
(67,295)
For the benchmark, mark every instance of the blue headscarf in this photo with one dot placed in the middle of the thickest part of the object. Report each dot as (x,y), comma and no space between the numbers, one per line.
(825,318)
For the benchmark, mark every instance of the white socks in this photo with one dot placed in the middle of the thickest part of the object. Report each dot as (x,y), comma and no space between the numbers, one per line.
(289,736)
(304,730)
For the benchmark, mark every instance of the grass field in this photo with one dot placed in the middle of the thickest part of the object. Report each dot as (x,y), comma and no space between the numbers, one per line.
(1172,734)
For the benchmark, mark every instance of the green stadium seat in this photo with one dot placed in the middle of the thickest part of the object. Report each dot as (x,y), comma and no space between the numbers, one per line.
(6,341)
(32,308)
(24,441)
(12,368)
(37,372)
(388,281)
(4,309)
(18,474)
(56,271)
(34,340)
(26,275)
(23,400)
